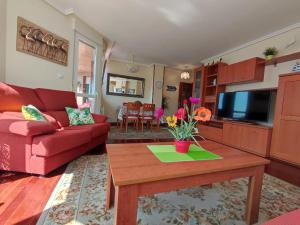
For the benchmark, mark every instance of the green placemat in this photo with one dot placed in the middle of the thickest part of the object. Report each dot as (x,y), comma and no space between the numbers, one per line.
(167,153)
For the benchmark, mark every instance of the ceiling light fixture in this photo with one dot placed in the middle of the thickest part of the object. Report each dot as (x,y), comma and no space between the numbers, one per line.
(131,67)
(185,75)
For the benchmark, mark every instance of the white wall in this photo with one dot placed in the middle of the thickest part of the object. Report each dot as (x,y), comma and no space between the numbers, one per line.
(279,40)
(172,77)
(158,78)
(111,102)
(2,38)
(26,70)
(31,71)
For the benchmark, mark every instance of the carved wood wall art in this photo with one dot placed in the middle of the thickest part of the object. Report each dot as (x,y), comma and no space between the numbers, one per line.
(36,41)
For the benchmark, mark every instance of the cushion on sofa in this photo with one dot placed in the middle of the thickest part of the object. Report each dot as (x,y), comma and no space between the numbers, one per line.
(96,130)
(60,141)
(15,125)
(79,116)
(13,114)
(30,112)
(55,100)
(51,120)
(47,115)
(99,118)
(61,118)
(13,97)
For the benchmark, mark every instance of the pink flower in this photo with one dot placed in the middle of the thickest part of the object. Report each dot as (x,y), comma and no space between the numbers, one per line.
(181,114)
(185,101)
(194,100)
(159,112)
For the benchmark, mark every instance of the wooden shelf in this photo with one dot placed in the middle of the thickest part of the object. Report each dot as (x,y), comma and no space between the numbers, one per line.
(212,75)
(281,59)
(210,98)
(211,86)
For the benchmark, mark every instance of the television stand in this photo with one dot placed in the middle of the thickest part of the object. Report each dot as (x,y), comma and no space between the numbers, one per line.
(253,138)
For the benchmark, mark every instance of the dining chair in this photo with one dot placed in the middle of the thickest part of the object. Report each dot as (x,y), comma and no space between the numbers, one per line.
(120,115)
(147,115)
(132,114)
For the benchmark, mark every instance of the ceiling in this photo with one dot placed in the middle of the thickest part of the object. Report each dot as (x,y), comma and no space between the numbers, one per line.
(181,32)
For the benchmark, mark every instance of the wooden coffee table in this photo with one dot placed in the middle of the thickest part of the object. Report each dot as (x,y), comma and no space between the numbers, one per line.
(135,171)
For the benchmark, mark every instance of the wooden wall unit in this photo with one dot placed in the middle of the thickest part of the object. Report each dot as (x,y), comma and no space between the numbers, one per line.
(286,133)
(211,85)
(252,138)
(198,83)
(211,133)
(251,70)
(255,139)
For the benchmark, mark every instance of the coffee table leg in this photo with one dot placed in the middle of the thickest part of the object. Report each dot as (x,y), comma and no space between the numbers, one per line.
(110,192)
(126,202)
(253,198)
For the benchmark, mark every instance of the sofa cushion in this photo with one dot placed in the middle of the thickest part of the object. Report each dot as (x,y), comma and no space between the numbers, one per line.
(50,118)
(98,118)
(96,130)
(61,118)
(30,112)
(60,141)
(16,125)
(79,116)
(13,97)
(13,114)
(55,100)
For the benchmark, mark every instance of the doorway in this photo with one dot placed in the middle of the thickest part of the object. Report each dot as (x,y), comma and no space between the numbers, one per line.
(185,91)
(85,72)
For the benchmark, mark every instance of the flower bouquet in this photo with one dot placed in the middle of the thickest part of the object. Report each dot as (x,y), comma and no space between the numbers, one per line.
(183,124)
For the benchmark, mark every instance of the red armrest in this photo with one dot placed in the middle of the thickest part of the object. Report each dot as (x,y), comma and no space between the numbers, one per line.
(24,127)
(99,118)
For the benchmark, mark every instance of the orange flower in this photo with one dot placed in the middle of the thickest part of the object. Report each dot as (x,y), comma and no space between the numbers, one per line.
(202,114)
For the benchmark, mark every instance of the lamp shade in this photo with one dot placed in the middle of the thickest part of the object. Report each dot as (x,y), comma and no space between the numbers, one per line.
(185,75)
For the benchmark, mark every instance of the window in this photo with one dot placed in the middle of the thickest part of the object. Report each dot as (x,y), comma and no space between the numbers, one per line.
(85,75)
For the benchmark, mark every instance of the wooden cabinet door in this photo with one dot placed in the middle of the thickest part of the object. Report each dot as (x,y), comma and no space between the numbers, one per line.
(246,70)
(286,132)
(211,133)
(231,133)
(256,140)
(231,77)
(250,70)
(222,76)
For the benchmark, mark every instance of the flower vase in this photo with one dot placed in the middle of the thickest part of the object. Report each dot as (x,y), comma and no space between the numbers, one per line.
(182,146)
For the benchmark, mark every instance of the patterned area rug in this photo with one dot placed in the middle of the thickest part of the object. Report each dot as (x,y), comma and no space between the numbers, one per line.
(79,198)
(118,134)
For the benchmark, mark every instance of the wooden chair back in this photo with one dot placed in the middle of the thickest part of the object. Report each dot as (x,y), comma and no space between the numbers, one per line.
(148,110)
(132,109)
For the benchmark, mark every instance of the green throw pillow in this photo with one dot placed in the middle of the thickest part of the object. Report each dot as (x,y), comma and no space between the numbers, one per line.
(79,116)
(32,113)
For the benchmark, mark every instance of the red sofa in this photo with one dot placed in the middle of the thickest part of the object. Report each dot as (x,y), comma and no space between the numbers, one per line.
(291,218)
(40,147)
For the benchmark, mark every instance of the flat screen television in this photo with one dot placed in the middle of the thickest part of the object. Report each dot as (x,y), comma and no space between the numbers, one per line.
(253,106)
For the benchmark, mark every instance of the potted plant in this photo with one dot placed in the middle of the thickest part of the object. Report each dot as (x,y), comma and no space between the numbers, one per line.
(183,124)
(270,53)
